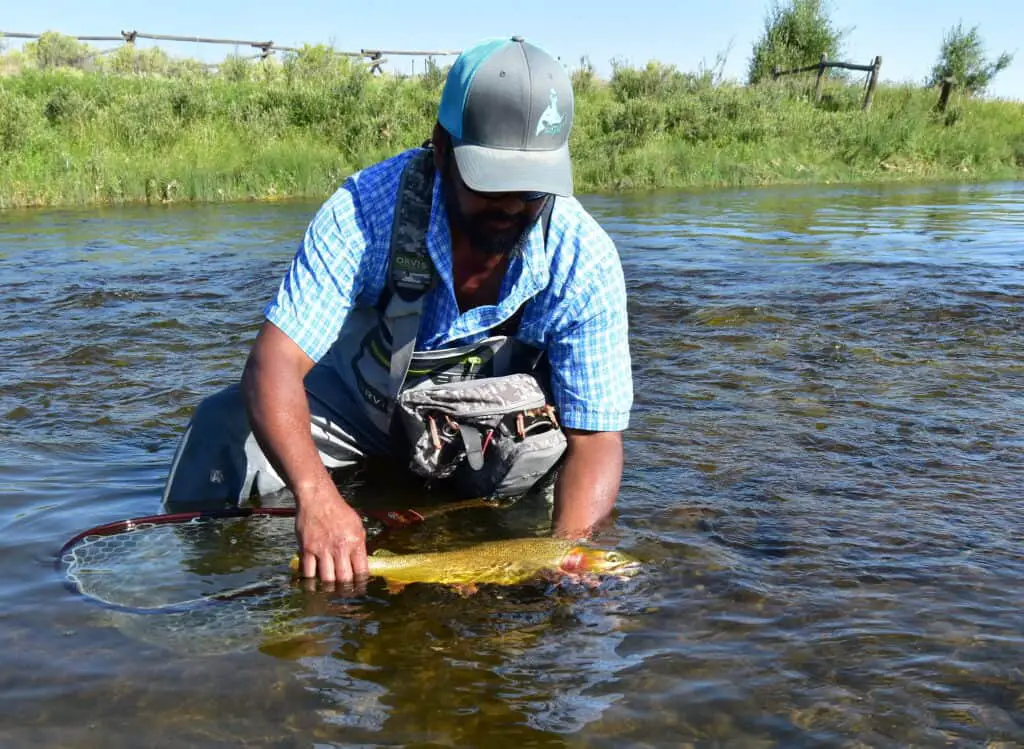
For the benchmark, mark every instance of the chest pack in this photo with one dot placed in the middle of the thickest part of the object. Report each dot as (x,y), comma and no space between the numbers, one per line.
(484,420)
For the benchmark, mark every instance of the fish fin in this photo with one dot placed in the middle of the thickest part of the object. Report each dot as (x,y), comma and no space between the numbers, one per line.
(465,589)
(383,553)
(394,587)
(550,575)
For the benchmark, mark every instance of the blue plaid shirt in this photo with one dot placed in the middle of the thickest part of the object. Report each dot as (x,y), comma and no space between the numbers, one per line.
(577,309)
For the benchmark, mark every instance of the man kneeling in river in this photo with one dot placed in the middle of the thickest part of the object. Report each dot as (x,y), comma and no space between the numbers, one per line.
(454,307)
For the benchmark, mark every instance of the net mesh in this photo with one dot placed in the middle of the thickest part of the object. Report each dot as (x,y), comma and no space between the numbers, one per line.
(227,627)
(208,586)
(154,567)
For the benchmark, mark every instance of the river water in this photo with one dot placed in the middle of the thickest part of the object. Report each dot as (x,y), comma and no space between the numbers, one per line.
(824,478)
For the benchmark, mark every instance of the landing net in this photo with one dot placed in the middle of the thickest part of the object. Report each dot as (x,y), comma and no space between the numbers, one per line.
(154,566)
(206,582)
(165,563)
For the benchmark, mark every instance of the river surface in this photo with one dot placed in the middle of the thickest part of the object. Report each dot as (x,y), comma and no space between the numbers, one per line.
(824,478)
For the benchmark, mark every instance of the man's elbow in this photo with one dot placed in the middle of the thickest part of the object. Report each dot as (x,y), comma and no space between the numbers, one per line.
(581,439)
(273,356)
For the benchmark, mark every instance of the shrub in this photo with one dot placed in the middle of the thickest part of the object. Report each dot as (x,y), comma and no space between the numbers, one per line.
(655,79)
(795,35)
(67,106)
(962,57)
(53,50)
(236,69)
(17,119)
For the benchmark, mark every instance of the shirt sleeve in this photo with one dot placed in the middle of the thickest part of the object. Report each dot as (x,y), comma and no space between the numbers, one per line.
(323,280)
(591,372)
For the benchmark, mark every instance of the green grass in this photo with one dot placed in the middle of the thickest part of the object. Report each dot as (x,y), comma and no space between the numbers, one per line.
(272,130)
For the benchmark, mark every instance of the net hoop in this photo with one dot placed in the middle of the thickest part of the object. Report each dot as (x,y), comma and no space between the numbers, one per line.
(388,518)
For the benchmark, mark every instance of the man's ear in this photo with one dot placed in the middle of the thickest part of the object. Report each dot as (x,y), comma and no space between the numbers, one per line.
(441,145)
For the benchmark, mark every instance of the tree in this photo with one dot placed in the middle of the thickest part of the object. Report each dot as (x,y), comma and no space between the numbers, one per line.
(54,50)
(962,56)
(795,35)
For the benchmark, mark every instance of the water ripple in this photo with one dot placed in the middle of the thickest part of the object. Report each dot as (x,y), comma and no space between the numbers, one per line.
(823,477)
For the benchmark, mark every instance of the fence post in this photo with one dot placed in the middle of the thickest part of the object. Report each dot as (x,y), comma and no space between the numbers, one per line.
(376,59)
(872,82)
(776,71)
(947,86)
(821,76)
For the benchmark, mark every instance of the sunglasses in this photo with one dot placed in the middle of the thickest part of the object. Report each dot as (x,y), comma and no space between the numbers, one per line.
(526,197)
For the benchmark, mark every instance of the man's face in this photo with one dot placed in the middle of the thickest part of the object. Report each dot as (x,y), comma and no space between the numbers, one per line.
(494,223)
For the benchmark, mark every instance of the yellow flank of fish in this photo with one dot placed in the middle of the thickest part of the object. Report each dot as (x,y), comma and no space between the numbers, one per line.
(506,562)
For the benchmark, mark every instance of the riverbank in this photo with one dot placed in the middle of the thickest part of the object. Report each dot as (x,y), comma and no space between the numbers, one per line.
(69,137)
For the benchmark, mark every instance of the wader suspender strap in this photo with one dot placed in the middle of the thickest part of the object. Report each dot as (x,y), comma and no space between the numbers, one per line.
(412,272)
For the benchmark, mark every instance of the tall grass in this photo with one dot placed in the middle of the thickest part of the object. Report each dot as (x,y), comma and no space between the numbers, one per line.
(140,128)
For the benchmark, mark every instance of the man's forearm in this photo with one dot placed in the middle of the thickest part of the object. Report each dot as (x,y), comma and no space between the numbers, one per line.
(279,417)
(588,482)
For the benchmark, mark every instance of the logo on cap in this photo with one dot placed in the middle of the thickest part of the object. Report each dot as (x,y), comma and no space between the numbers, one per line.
(550,122)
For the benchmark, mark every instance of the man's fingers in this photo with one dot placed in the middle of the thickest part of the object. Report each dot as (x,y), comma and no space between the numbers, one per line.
(341,560)
(327,572)
(360,565)
(342,567)
(359,586)
(360,569)
(308,564)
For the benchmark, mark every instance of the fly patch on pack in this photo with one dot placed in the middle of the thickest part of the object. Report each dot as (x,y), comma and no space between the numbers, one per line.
(496,436)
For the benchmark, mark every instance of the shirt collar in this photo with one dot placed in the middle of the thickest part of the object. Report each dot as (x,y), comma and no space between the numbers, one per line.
(528,273)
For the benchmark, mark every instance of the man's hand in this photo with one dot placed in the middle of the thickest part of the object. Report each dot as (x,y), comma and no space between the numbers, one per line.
(332,540)
(588,482)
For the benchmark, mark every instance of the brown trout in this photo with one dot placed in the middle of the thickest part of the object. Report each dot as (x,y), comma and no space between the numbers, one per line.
(506,562)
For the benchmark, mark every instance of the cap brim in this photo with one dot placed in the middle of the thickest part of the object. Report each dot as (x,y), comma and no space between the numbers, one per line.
(509,170)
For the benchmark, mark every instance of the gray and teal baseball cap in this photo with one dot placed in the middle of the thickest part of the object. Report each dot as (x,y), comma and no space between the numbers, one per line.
(508,106)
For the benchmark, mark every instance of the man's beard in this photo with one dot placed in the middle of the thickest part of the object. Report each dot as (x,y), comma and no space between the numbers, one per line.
(482,238)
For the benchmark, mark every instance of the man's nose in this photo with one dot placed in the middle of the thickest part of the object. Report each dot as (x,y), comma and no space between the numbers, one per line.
(510,203)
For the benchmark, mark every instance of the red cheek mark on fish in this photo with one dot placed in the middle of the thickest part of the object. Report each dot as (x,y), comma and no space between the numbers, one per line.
(573,563)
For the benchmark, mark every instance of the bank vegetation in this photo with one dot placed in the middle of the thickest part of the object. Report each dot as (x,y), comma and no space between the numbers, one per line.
(139,126)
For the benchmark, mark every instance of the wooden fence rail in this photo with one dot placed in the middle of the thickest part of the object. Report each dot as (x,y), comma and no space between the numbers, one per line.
(824,64)
(376,57)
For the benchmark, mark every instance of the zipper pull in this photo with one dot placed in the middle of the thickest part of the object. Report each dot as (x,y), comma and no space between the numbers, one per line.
(470,365)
